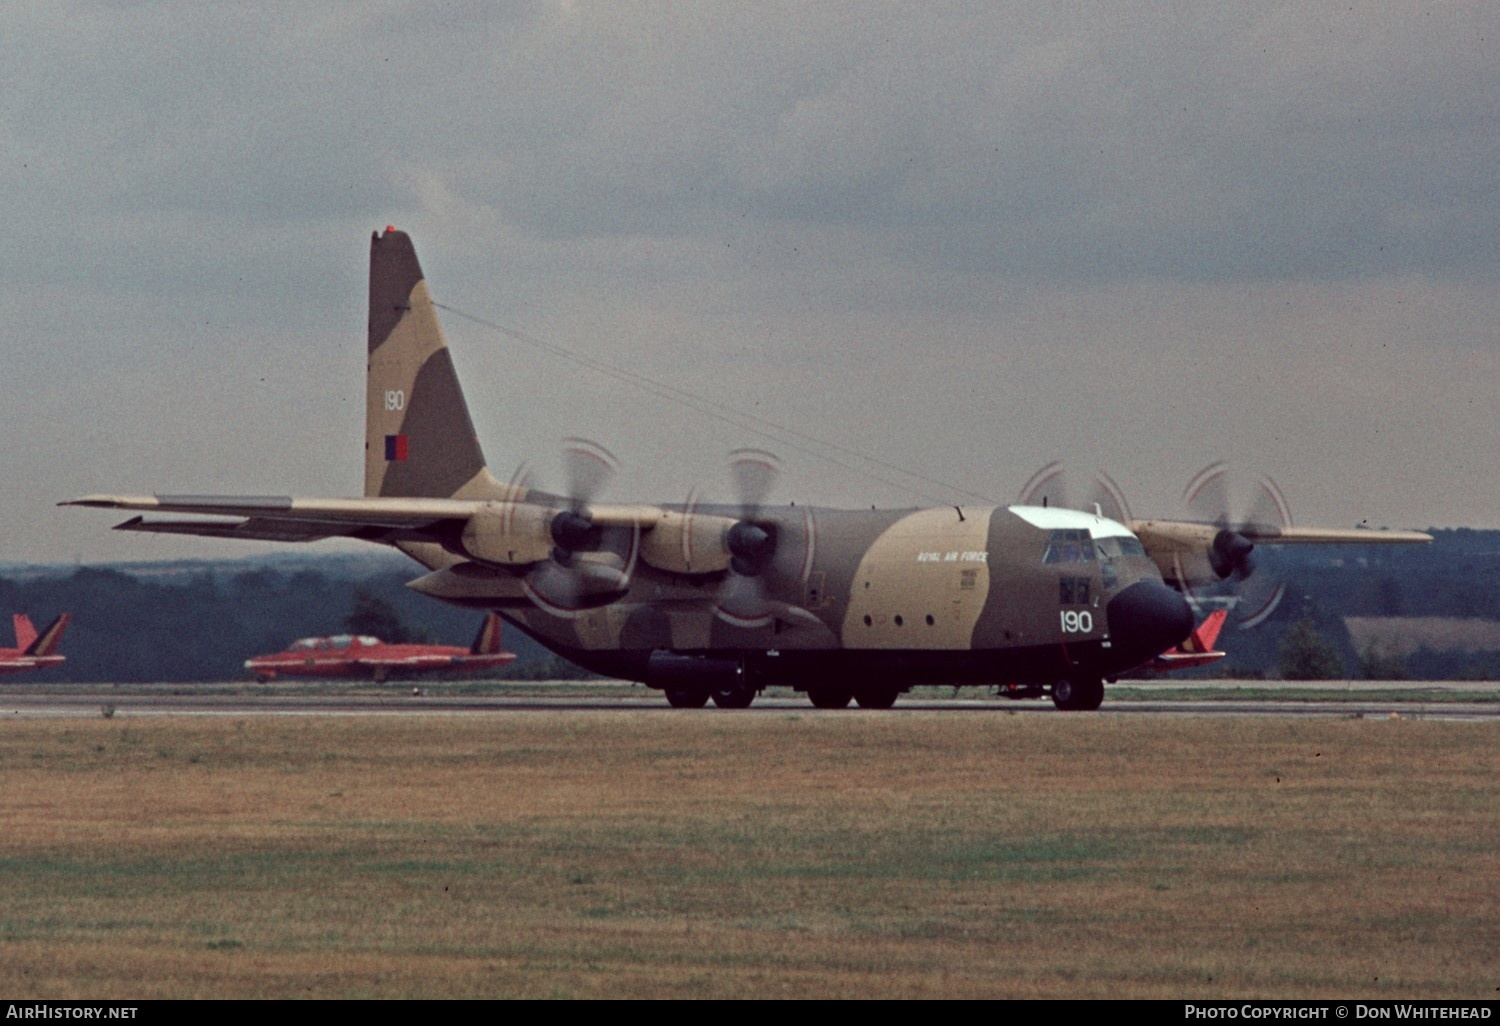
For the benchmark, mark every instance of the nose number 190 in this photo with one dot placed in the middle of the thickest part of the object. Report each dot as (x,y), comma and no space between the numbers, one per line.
(1077,621)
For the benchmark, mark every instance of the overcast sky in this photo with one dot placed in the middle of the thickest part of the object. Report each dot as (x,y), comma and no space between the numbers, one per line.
(964,238)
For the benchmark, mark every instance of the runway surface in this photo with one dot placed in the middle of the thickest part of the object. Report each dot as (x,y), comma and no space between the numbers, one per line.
(1428,700)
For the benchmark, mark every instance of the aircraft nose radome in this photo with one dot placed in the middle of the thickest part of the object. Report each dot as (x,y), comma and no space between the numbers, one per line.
(1146,619)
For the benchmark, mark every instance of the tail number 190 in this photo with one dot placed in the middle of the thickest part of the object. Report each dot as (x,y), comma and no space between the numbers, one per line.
(1077,621)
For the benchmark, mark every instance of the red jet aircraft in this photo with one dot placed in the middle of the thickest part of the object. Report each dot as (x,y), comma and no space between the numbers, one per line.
(359,655)
(34,651)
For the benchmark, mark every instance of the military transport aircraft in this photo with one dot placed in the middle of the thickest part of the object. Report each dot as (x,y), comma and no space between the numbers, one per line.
(34,651)
(359,655)
(717,602)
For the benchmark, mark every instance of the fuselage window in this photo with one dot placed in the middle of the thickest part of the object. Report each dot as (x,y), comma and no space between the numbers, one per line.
(1109,579)
(1069,546)
(1073,591)
(1109,548)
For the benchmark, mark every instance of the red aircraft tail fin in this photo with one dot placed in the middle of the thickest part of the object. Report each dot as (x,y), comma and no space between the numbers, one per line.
(25,632)
(487,641)
(46,643)
(1206,633)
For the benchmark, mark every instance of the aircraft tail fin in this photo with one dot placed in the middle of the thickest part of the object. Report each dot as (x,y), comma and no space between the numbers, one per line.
(487,641)
(419,439)
(25,632)
(46,643)
(1206,633)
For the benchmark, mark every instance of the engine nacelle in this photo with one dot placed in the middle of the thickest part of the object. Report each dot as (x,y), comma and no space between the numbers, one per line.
(688,543)
(1192,554)
(1184,552)
(509,534)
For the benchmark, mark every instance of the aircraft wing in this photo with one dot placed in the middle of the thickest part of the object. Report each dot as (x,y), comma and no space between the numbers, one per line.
(431,661)
(415,662)
(1189,552)
(254,529)
(1271,535)
(1192,531)
(286,519)
(377,512)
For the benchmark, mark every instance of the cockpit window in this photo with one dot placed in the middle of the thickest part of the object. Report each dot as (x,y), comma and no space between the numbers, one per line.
(1069,546)
(1119,545)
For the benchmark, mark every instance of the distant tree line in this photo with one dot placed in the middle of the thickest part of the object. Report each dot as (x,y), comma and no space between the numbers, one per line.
(202,621)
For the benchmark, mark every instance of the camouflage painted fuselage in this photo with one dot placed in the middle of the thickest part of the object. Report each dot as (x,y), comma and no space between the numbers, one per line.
(946,595)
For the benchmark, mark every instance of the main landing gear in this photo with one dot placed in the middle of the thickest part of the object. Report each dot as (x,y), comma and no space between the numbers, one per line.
(733,698)
(830,696)
(1080,694)
(697,698)
(838,696)
(876,696)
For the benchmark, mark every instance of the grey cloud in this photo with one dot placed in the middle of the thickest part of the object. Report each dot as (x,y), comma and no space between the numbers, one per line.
(943,207)
(1229,145)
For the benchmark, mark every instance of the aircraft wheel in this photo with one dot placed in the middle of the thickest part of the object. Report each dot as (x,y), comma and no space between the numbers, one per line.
(686,698)
(876,697)
(734,698)
(830,696)
(1081,695)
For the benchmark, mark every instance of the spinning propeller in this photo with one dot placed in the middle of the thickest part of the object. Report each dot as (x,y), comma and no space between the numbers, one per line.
(752,540)
(590,563)
(1242,518)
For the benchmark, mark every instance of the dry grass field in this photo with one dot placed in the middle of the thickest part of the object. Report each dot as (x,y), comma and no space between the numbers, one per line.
(663,854)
